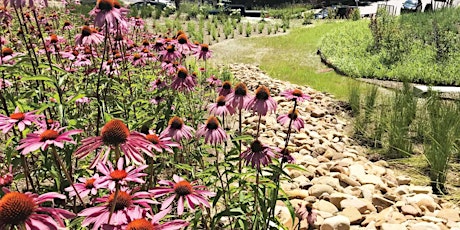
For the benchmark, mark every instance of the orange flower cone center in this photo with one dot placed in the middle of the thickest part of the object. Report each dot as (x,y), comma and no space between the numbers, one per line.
(221,101)
(182,73)
(115,132)
(170,48)
(67,23)
(212,123)
(176,123)
(54,38)
(140,224)
(136,56)
(49,134)
(293,114)
(86,31)
(15,208)
(105,5)
(204,47)
(182,39)
(262,93)
(227,85)
(123,200)
(183,188)
(153,138)
(18,116)
(241,89)
(89,184)
(257,146)
(297,92)
(118,175)
(6,51)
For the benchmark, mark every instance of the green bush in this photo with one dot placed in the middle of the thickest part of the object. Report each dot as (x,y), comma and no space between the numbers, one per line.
(422,48)
(441,137)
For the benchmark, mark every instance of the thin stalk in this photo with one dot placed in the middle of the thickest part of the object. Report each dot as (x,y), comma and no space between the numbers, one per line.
(277,177)
(240,120)
(114,202)
(98,85)
(258,126)
(61,165)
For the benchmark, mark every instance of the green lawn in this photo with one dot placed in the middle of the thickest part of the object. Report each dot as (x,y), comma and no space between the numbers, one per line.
(290,57)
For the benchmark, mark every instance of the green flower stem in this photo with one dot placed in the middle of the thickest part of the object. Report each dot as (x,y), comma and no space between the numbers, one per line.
(61,165)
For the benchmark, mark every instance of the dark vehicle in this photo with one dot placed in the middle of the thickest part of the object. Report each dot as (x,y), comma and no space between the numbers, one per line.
(411,6)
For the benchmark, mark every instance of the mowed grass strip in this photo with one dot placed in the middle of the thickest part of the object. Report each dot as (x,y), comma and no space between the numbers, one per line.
(291,57)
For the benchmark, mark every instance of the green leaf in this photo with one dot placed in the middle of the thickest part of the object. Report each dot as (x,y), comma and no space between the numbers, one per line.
(37,78)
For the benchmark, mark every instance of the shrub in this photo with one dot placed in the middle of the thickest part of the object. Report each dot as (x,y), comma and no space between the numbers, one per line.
(440,143)
(356,14)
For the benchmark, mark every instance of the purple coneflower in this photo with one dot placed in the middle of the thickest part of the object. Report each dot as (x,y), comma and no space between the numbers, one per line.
(157,84)
(305,212)
(213,80)
(157,100)
(138,60)
(194,195)
(5,84)
(171,67)
(54,39)
(88,36)
(85,187)
(120,175)
(154,224)
(258,155)
(44,138)
(162,142)
(23,211)
(105,12)
(212,131)
(239,98)
(183,81)
(295,94)
(221,107)
(82,101)
(18,118)
(115,134)
(203,52)
(67,26)
(170,54)
(7,55)
(262,103)
(226,89)
(127,207)
(183,45)
(297,122)
(286,156)
(6,178)
(177,129)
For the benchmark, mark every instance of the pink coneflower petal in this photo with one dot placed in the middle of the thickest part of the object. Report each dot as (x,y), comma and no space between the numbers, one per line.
(23,209)
(212,132)
(258,155)
(262,103)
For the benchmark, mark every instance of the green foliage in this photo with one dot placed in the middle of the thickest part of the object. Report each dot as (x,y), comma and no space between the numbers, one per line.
(414,47)
(356,14)
(248,29)
(402,113)
(442,135)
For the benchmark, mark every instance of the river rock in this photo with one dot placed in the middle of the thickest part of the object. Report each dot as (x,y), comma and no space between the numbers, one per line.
(319,189)
(336,223)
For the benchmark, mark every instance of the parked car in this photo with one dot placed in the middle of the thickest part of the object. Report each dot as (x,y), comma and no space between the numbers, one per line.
(322,14)
(142,3)
(411,6)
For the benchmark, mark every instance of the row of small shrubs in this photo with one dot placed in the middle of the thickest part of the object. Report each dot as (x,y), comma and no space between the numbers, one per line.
(420,48)
(398,122)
